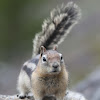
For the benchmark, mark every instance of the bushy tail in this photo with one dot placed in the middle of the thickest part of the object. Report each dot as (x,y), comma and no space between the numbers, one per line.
(55,29)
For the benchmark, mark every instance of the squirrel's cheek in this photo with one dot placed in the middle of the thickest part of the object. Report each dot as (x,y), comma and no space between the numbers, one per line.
(48,70)
(59,69)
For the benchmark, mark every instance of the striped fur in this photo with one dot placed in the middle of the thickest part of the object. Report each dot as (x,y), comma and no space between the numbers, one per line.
(55,29)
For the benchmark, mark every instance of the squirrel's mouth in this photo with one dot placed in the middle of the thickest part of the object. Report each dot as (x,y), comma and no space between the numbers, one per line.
(55,71)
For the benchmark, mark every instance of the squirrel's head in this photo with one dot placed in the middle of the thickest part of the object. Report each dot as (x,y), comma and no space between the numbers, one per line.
(51,62)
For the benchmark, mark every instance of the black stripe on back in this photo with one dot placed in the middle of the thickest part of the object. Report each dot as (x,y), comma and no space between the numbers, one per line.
(27,70)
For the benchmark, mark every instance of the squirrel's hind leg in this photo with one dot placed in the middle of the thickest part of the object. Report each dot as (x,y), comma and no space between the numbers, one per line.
(21,96)
(23,85)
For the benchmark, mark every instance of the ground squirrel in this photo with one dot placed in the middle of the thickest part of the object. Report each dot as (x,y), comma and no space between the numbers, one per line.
(45,73)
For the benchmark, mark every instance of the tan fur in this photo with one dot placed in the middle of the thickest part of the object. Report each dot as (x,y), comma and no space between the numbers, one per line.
(42,88)
(49,84)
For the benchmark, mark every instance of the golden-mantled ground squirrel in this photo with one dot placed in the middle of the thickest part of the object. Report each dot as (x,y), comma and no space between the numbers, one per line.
(46,73)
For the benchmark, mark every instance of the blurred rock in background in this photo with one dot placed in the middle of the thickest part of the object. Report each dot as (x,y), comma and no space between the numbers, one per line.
(90,86)
(20,20)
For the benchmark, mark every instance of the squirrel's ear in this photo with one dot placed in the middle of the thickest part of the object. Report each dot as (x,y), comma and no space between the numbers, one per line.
(42,50)
(55,47)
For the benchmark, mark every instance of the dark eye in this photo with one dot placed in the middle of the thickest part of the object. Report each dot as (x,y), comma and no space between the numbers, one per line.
(44,59)
(61,58)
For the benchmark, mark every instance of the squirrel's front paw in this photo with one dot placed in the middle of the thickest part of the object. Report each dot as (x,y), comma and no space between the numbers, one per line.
(20,96)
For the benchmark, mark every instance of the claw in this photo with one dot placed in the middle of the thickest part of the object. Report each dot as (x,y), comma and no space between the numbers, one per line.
(21,96)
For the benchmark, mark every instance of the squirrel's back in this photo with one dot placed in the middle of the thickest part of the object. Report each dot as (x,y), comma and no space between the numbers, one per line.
(30,65)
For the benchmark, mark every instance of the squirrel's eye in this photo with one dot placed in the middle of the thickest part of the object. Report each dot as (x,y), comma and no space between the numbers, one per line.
(61,58)
(44,59)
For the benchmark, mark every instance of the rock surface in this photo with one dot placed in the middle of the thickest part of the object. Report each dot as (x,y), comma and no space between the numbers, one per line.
(69,96)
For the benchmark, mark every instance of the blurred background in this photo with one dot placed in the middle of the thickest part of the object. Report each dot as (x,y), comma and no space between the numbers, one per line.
(20,20)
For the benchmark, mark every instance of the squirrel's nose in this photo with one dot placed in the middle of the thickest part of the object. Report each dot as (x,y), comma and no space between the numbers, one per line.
(55,65)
